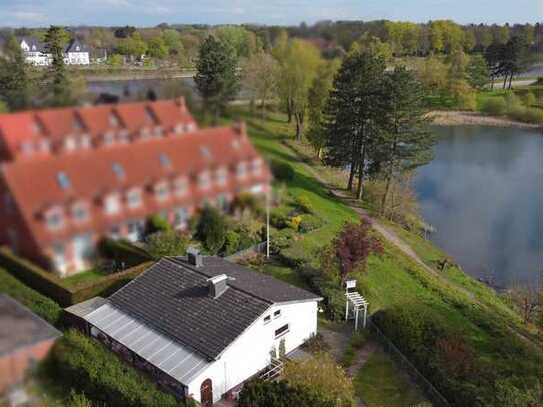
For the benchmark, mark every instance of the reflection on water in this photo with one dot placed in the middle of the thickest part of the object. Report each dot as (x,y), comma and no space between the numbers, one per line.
(484,194)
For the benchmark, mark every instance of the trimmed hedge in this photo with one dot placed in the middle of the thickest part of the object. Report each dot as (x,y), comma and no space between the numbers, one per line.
(39,304)
(48,284)
(122,251)
(106,285)
(87,366)
(35,277)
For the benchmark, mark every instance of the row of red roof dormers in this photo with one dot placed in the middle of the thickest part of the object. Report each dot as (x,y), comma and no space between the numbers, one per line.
(46,130)
(36,184)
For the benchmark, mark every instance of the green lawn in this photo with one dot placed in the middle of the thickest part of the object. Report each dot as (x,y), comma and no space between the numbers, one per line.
(379,383)
(83,277)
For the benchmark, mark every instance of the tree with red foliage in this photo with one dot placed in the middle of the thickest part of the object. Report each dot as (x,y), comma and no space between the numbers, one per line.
(353,245)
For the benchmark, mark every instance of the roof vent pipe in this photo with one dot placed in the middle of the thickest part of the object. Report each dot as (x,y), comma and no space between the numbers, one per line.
(195,257)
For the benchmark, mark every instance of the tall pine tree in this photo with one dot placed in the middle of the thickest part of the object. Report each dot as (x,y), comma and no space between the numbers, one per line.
(216,77)
(351,114)
(59,82)
(406,140)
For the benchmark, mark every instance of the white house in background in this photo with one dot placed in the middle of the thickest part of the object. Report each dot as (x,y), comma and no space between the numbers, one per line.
(35,53)
(76,54)
(201,326)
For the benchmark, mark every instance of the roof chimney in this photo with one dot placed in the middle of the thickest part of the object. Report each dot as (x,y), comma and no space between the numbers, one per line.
(194,257)
(217,285)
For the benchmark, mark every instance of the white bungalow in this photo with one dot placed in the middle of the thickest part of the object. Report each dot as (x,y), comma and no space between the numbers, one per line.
(201,326)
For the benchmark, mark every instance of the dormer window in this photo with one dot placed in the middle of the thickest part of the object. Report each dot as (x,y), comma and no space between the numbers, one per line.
(181,186)
(69,143)
(241,170)
(113,120)
(85,141)
(133,198)
(144,133)
(222,174)
(54,219)
(27,147)
(204,181)
(178,129)
(112,204)
(162,192)
(80,212)
(109,138)
(158,131)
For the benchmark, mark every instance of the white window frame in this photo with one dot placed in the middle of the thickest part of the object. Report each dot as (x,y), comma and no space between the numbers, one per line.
(162,191)
(281,334)
(112,204)
(181,186)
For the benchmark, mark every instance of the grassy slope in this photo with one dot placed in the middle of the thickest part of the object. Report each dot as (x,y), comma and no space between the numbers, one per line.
(393,278)
(380,384)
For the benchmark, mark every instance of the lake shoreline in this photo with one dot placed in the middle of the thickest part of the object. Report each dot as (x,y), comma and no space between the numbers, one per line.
(462,118)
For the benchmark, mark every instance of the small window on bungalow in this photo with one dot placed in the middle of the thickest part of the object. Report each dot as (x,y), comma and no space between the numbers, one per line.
(118,169)
(277,313)
(165,160)
(281,331)
(267,319)
(63,180)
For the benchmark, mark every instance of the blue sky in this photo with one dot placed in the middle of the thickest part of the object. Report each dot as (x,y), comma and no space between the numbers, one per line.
(152,12)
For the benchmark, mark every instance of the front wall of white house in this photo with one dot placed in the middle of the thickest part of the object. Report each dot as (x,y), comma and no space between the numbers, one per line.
(250,353)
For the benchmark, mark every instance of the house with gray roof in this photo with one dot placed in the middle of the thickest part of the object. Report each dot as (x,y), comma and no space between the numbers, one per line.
(201,325)
(36,53)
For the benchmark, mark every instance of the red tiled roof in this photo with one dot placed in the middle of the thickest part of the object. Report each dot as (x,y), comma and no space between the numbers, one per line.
(54,124)
(34,183)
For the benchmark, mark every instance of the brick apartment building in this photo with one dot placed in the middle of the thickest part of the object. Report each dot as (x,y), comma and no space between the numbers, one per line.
(71,176)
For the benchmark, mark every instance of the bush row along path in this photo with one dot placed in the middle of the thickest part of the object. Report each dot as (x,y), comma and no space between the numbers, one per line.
(404,247)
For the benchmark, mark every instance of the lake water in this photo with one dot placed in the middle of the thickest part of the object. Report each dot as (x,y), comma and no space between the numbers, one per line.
(483,192)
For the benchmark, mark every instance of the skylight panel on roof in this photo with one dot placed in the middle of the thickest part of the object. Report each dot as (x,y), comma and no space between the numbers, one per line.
(63,180)
(165,160)
(118,169)
(205,151)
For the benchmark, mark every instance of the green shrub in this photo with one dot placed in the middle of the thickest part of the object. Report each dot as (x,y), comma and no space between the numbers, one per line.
(495,106)
(303,203)
(39,304)
(167,243)
(156,223)
(309,223)
(231,243)
(247,201)
(294,222)
(35,277)
(88,367)
(211,230)
(279,217)
(282,171)
(512,101)
(260,393)
(529,99)
(281,239)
